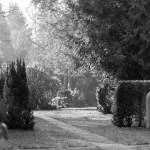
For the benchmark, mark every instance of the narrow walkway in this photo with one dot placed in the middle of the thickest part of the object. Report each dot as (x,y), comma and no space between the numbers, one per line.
(94,139)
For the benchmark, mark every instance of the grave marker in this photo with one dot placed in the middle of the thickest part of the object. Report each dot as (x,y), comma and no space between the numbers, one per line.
(148,111)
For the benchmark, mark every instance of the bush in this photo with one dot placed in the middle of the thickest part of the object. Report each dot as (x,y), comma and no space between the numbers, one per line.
(16,118)
(78,99)
(16,82)
(52,107)
(130,102)
(104,96)
(28,119)
(42,86)
(2,82)
(16,96)
(104,105)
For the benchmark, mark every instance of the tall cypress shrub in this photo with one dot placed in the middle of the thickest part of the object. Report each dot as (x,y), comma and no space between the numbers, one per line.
(7,89)
(16,95)
(2,82)
(22,86)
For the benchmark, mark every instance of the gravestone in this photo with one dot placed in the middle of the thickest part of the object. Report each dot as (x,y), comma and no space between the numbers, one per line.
(148,111)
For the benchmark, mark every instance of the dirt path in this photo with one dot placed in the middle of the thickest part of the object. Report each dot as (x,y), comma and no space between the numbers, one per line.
(94,139)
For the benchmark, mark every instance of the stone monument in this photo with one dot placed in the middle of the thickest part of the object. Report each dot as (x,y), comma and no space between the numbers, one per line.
(148,111)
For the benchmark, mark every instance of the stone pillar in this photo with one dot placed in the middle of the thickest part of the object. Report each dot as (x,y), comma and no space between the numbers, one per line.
(65,82)
(148,111)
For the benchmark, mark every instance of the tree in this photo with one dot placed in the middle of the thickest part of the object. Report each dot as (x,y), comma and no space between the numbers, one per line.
(16,84)
(16,95)
(16,18)
(21,33)
(22,86)
(109,34)
(42,86)
(5,42)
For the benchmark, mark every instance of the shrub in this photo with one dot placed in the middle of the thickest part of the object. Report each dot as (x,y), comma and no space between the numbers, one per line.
(52,107)
(130,102)
(104,96)
(28,119)
(104,105)
(43,87)
(2,82)
(15,93)
(78,99)
(16,118)
(16,82)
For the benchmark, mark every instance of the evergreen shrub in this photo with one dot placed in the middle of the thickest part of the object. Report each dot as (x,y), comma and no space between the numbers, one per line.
(130,102)
(104,104)
(16,96)
(16,118)
(2,82)
(104,95)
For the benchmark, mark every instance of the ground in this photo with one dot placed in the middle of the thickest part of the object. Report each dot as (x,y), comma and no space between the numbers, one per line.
(95,122)
(51,136)
(100,124)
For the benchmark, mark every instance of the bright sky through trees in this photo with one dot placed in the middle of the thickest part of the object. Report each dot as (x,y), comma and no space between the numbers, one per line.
(23,4)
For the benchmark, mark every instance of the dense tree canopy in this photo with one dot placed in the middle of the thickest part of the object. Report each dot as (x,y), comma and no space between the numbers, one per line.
(109,34)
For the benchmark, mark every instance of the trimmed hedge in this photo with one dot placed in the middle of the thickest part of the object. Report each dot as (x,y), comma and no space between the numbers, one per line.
(130,99)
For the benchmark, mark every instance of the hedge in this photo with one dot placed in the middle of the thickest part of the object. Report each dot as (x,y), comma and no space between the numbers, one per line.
(129,106)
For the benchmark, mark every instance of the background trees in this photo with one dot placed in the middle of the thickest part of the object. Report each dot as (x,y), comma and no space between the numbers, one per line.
(109,34)
(43,87)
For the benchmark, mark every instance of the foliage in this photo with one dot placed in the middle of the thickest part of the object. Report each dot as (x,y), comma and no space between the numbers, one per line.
(74,98)
(66,93)
(2,82)
(5,43)
(20,33)
(16,83)
(42,86)
(78,98)
(16,18)
(108,34)
(16,118)
(52,107)
(104,104)
(15,94)
(130,102)
(105,94)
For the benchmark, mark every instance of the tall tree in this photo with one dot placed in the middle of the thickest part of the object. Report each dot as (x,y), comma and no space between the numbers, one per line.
(109,34)
(20,32)
(16,88)
(48,47)
(5,42)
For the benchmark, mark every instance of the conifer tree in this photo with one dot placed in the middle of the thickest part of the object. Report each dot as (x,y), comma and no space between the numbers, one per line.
(23,90)
(16,97)
(2,82)
(7,92)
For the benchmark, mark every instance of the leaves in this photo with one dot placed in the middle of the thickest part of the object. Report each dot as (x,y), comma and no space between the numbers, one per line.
(114,34)
(42,85)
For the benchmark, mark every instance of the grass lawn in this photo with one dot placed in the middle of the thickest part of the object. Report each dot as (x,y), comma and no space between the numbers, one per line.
(127,136)
(45,136)
(100,124)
